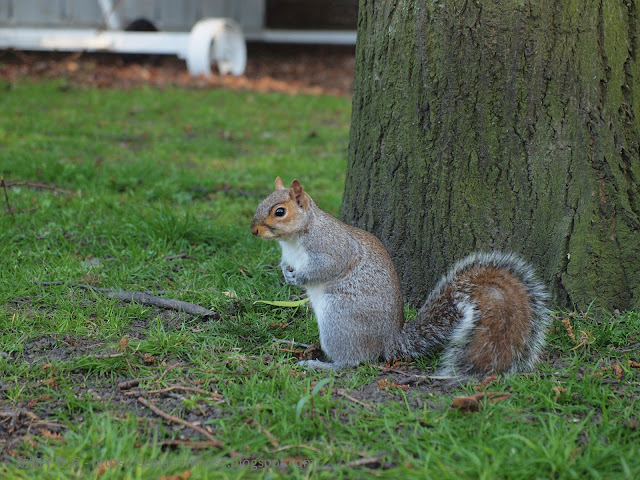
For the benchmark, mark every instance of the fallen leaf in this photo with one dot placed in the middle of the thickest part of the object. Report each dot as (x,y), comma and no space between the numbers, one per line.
(32,403)
(472,402)
(51,435)
(394,363)
(385,384)
(102,467)
(149,358)
(559,391)
(466,404)
(183,476)
(485,382)
(567,326)
(123,344)
(617,370)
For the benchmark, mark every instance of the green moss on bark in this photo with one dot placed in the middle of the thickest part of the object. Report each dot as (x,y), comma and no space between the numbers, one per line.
(501,126)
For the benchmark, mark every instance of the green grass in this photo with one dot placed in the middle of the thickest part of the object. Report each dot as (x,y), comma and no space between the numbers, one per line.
(157,173)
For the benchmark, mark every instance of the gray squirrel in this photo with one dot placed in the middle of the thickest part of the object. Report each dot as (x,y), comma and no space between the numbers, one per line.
(488,313)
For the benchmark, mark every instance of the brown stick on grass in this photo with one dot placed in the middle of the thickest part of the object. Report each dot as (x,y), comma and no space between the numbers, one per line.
(40,185)
(6,196)
(145,299)
(215,395)
(5,185)
(215,442)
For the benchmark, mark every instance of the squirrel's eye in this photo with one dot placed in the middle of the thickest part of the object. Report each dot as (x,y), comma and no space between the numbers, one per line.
(280,212)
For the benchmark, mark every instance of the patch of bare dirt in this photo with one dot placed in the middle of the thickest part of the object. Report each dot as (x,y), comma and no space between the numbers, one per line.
(395,384)
(283,68)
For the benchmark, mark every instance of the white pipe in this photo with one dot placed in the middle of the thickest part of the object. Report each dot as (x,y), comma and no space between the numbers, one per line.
(328,37)
(168,43)
(218,41)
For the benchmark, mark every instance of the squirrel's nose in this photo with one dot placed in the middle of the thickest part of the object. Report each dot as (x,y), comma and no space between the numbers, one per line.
(254,229)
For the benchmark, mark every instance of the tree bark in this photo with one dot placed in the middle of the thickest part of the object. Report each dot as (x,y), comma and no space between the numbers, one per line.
(501,125)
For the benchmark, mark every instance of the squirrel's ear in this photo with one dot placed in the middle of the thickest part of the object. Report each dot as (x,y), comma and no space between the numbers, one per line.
(297,193)
(279,184)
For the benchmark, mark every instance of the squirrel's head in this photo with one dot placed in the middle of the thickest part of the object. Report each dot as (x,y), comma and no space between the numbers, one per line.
(283,213)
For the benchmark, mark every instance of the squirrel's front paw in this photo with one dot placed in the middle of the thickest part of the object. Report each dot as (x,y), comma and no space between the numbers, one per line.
(290,275)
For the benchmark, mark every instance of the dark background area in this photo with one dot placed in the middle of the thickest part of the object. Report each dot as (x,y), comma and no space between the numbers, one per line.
(313,15)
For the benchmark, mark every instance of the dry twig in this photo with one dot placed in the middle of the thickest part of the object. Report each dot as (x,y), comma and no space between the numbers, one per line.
(144,299)
(35,420)
(6,196)
(369,461)
(134,382)
(108,355)
(410,375)
(273,440)
(170,367)
(214,441)
(184,443)
(344,393)
(182,388)
(14,414)
(5,185)
(365,461)
(40,185)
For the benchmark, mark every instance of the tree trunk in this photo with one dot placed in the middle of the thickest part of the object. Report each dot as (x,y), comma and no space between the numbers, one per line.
(501,125)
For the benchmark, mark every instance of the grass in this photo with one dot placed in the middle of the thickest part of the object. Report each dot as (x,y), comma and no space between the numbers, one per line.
(166,182)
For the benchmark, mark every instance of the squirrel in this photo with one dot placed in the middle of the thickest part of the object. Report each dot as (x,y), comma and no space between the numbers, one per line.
(488,313)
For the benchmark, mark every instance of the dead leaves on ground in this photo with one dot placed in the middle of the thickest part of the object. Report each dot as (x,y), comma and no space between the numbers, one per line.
(472,403)
(40,398)
(617,370)
(182,476)
(22,426)
(309,71)
(57,437)
(585,339)
(559,392)
(390,386)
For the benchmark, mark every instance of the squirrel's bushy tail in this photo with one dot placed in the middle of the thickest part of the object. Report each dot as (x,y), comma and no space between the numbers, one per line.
(488,313)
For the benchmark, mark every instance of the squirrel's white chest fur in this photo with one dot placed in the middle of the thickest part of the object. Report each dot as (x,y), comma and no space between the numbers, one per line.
(294,254)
